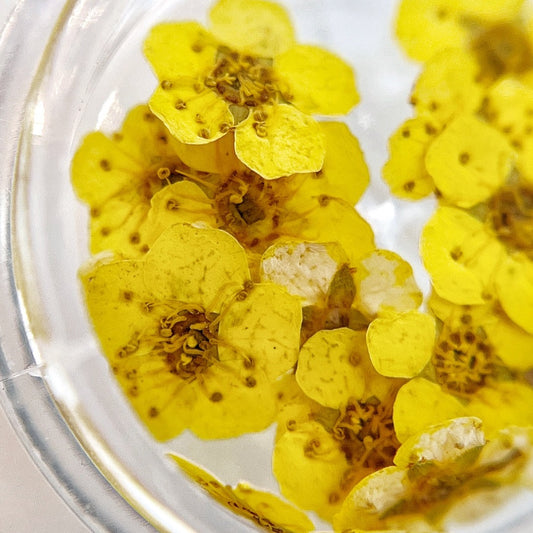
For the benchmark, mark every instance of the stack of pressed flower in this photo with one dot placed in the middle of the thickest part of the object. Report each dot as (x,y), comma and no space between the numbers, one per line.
(244,289)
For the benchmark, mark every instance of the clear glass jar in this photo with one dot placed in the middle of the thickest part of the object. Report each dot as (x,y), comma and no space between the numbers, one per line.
(66,70)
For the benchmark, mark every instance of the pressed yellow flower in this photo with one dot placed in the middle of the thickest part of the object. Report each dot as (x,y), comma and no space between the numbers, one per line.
(265,509)
(510,343)
(469,161)
(447,87)
(461,255)
(384,283)
(260,85)
(258,212)
(401,344)
(181,332)
(118,175)
(323,451)
(405,171)
(445,464)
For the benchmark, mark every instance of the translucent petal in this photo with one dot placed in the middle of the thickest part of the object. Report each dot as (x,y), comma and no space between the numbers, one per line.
(310,479)
(425,28)
(304,269)
(329,369)
(117,227)
(257,27)
(405,170)
(216,157)
(344,173)
(460,255)
(442,442)
(286,142)
(115,294)
(192,117)
(262,327)
(401,345)
(181,202)
(179,49)
(384,283)
(421,403)
(503,404)
(329,219)
(233,400)
(273,510)
(319,81)
(263,508)
(514,287)
(197,265)
(469,161)
(447,86)
(100,170)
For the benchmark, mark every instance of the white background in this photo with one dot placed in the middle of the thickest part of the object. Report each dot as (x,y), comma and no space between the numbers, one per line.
(27,502)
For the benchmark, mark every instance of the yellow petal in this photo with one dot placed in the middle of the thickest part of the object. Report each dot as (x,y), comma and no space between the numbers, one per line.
(264,508)
(214,157)
(384,283)
(309,465)
(179,49)
(329,369)
(115,294)
(197,265)
(329,219)
(192,117)
(425,28)
(345,173)
(460,255)
(272,510)
(501,405)
(421,403)
(405,170)
(262,327)
(231,401)
(514,287)
(257,27)
(286,142)
(401,345)
(319,81)
(447,86)
(181,202)
(304,269)
(469,161)
(117,226)
(100,170)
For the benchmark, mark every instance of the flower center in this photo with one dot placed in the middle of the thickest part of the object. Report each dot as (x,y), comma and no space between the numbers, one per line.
(248,207)
(365,432)
(463,359)
(511,217)
(243,80)
(187,341)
